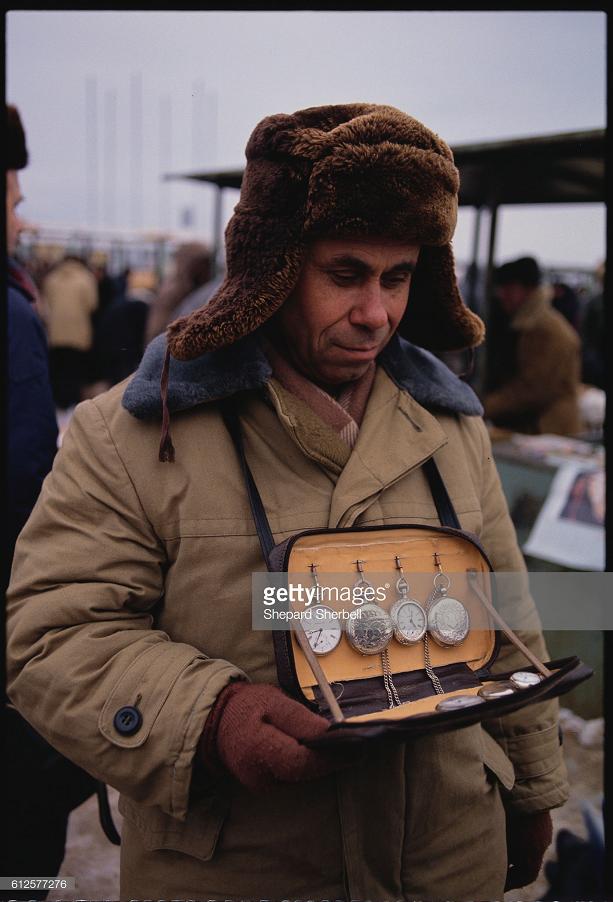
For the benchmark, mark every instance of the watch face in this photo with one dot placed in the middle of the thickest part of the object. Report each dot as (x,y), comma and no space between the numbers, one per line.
(410,621)
(458,701)
(497,690)
(524,679)
(370,633)
(448,621)
(324,630)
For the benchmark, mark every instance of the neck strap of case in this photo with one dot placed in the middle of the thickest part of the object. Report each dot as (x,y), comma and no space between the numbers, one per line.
(442,501)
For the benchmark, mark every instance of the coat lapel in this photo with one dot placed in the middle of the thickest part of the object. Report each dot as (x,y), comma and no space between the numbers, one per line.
(396,435)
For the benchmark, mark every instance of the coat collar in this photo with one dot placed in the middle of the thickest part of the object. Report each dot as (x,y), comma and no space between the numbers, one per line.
(243,366)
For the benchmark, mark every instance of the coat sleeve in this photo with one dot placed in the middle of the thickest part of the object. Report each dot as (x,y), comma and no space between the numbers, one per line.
(530,737)
(88,571)
(32,425)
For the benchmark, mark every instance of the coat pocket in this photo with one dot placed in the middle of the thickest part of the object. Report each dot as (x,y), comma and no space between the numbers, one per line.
(146,683)
(496,761)
(197,835)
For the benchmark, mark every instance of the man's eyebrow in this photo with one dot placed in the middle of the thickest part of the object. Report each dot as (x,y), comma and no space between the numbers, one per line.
(361,265)
(406,266)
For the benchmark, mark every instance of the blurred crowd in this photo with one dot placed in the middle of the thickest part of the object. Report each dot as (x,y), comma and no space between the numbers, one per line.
(98,324)
(545,369)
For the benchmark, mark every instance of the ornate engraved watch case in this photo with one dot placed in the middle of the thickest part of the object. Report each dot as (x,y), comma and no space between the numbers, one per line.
(370,633)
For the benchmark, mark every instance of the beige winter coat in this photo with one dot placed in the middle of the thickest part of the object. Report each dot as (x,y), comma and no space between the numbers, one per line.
(70,294)
(132,586)
(543,395)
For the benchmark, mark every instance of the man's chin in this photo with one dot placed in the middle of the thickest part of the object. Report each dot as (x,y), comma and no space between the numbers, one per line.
(334,376)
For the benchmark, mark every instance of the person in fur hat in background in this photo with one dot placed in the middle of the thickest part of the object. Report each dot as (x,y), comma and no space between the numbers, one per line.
(135,653)
(541,393)
(41,786)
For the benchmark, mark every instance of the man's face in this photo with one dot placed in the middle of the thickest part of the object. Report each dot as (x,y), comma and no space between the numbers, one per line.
(14,224)
(347,304)
(512,296)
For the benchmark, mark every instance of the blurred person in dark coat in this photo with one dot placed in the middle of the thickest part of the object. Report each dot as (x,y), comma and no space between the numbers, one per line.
(541,395)
(192,267)
(32,432)
(40,785)
(120,336)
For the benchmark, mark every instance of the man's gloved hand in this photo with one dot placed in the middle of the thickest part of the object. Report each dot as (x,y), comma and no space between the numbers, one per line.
(528,838)
(254,733)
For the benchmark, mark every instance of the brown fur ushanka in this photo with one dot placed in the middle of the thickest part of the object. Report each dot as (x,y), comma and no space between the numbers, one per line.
(357,170)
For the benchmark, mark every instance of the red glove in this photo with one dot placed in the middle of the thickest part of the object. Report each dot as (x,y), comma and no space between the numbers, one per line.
(254,732)
(528,838)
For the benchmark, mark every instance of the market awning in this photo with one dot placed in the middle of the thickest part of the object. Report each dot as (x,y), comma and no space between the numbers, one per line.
(547,169)
(544,169)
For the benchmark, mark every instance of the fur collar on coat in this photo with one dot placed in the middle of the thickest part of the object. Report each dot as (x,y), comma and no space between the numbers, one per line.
(243,366)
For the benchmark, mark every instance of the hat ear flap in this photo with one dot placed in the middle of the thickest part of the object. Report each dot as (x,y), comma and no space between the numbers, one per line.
(244,301)
(436,316)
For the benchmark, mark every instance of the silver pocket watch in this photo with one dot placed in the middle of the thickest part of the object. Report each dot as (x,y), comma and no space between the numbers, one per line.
(369,633)
(326,634)
(409,619)
(448,620)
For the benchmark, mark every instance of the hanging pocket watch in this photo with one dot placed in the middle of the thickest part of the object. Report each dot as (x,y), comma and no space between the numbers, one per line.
(409,619)
(370,632)
(326,634)
(448,620)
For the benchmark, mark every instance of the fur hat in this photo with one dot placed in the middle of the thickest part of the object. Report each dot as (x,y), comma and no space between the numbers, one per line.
(524,271)
(16,150)
(356,170)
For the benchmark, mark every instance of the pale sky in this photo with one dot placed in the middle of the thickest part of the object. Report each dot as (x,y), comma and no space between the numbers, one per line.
(207,78)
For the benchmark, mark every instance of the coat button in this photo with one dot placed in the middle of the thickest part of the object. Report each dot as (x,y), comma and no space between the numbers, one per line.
(127,720)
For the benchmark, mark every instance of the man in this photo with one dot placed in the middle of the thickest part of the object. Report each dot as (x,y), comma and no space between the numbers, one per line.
(142,662)
(70,293)
(32,424)
(541,395)
(41,786)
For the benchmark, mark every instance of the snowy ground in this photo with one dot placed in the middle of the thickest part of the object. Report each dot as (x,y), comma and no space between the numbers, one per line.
(95,862)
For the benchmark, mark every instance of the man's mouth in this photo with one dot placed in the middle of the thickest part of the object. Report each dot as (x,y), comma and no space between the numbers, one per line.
(362,351)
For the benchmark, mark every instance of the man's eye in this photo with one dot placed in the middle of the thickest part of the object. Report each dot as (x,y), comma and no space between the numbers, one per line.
(396,281)
(343,277)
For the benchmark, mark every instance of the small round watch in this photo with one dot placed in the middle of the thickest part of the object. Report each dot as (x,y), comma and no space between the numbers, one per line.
(409,620)
(448,621)
(326,634)
(497,690)
(525,679)
(370,632)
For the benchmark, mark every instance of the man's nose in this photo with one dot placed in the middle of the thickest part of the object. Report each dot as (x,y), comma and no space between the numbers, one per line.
(369,309)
